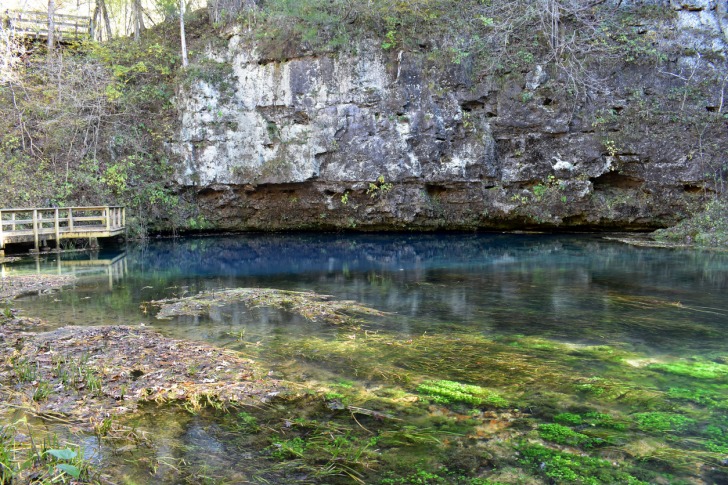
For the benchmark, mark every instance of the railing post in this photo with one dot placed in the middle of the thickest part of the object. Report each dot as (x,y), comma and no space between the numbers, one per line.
(35,229)
(108,218)
(2,239)
(70,219)
(57,227)
(123,216)
(12,218)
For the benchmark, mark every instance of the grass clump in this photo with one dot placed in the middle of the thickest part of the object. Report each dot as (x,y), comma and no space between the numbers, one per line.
(698,370)
(660,422)
(563,467)
(448,392)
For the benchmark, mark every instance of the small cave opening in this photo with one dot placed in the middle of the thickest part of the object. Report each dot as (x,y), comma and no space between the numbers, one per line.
(615,180)
(435,190)
(692,189)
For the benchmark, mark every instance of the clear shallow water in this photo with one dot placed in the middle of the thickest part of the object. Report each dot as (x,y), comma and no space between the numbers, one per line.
(578,289)
(481,295)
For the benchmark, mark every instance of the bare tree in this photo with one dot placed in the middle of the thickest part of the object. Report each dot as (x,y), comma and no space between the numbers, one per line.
(182,32)
(138,18)
(51,25)
(101,12)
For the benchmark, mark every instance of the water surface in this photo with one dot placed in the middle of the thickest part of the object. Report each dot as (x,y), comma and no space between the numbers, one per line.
(485,292)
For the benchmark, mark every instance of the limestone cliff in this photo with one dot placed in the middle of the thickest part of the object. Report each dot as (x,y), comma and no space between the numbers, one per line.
(369,138)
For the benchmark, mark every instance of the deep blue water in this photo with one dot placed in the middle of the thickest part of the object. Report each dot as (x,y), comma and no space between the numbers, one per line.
(581,289)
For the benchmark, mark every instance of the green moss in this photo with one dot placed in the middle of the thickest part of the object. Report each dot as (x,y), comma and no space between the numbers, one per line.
(563,467)
(447,392)
(698,370)
(659,422)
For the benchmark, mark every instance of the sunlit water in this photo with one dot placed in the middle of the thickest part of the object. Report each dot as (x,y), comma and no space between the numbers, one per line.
(582,290)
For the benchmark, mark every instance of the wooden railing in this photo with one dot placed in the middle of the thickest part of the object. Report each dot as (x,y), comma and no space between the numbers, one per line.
(22,225)
(35,24)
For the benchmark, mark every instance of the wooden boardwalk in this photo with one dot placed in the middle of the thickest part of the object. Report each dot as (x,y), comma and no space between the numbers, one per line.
(34,24)
(41,225)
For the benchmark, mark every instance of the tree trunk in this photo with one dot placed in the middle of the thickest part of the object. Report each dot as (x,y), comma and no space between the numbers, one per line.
(51,25)
(182,32)
(95,21)
(138,14)
(107,22)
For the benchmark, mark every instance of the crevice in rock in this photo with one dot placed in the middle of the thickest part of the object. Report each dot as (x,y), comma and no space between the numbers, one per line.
(615,180)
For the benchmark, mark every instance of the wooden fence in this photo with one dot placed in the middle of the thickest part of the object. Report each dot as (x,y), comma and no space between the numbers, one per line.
(23,225)
(35,24)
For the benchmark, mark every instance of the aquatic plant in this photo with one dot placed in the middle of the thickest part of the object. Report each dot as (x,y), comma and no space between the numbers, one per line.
(702,397)
(246,422)
(696,369)
(569,419)
(564,435)
(717,439)
(603,420)
(291,448)
(661,422)
(447,392)
(442,476)
(43,462)
(564,467)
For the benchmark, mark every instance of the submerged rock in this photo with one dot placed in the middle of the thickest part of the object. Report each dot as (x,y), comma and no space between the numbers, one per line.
(310,305)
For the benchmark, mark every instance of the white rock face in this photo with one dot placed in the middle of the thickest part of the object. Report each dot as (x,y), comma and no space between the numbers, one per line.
(337,117)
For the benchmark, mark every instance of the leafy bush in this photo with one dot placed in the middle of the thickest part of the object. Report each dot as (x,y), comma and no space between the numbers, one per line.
(706,228)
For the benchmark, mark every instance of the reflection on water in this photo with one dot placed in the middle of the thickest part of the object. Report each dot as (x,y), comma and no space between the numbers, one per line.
(571,288)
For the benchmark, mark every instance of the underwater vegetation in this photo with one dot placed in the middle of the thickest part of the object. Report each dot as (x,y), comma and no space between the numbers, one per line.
(446,392)
(522,410)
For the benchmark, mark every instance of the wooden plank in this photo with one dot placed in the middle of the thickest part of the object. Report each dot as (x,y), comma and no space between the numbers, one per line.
(57,227)
(45,14)
(35,228)
(19,23)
